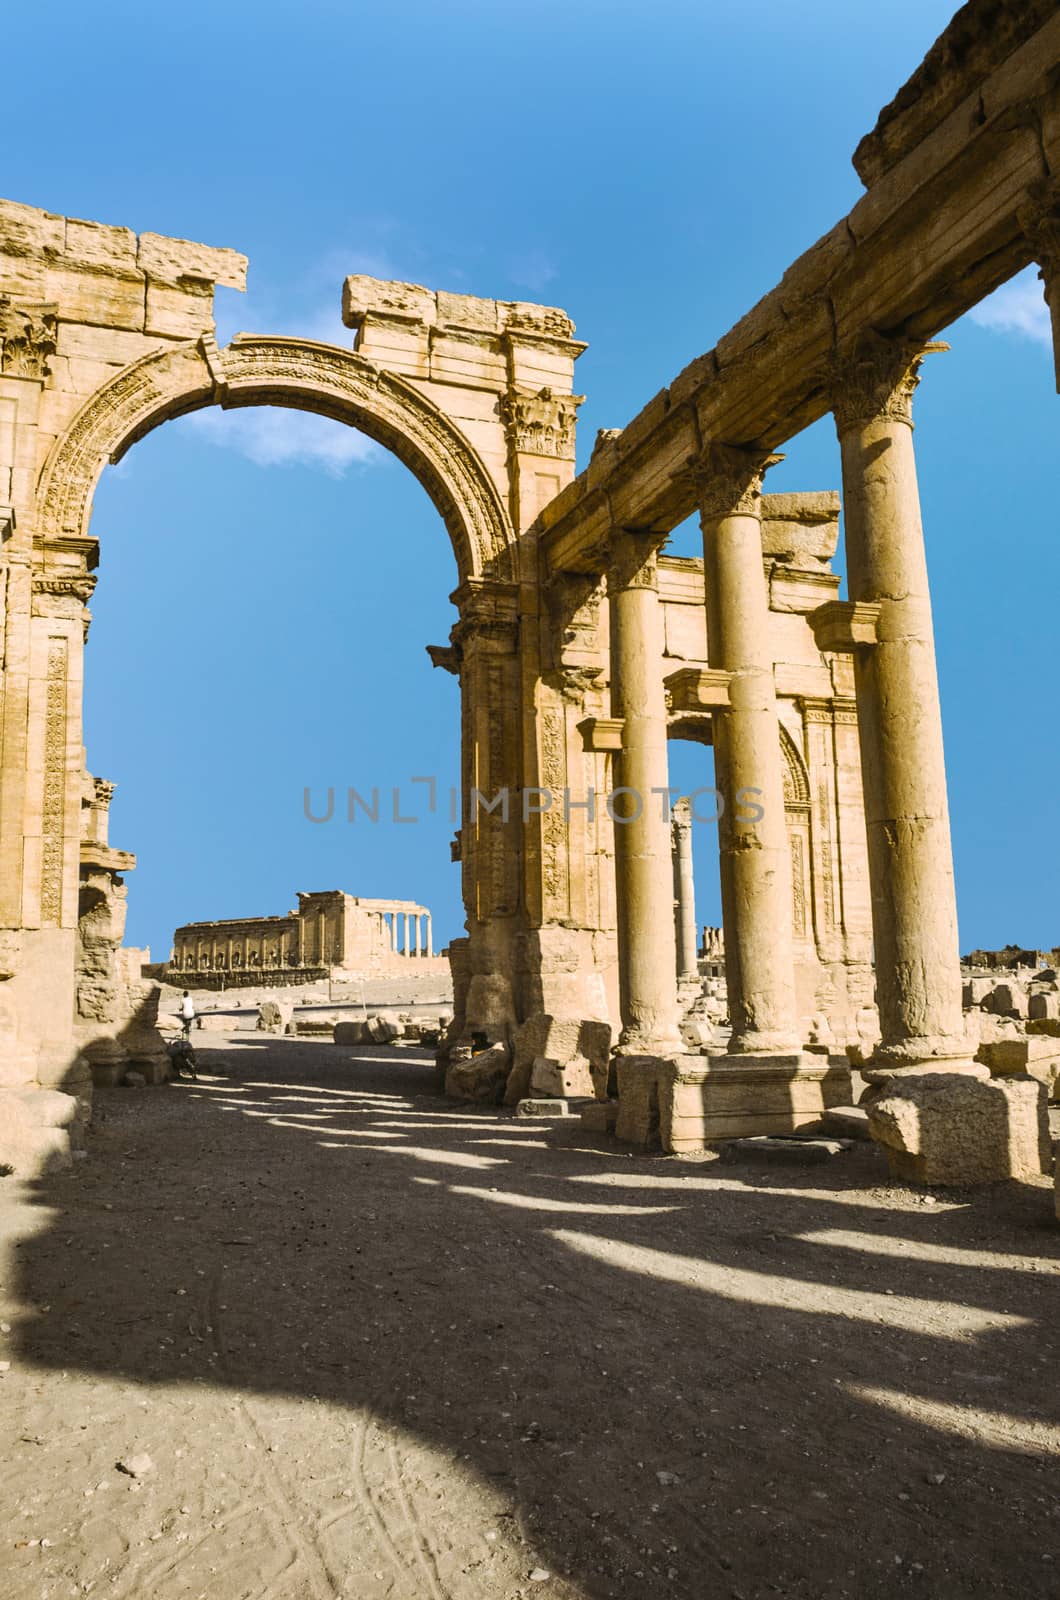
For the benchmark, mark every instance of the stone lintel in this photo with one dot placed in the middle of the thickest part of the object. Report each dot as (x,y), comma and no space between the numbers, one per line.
(842,626)
(698,689)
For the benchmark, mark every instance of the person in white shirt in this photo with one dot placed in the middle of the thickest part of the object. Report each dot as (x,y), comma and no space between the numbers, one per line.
(187,1013)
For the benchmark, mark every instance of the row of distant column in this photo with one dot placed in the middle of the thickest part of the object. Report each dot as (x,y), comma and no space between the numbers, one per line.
(407,933)
(886,625)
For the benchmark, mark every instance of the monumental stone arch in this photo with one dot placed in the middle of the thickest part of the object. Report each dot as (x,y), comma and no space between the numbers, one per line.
(582,645)
(256,370)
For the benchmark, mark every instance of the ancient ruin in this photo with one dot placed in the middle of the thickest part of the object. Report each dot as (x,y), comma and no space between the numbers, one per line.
(330,932)
(581,647)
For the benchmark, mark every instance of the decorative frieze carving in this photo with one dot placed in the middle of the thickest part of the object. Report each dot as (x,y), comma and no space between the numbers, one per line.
(27,338)
(541,424)
(79,585)
(876,379)
(53,798)
(728,481)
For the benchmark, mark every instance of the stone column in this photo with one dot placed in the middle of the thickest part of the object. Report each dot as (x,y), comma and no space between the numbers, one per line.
(684,893)
(430,949)
(643,868)
(887,625)
(1040,220)
(752,835)
(416,933)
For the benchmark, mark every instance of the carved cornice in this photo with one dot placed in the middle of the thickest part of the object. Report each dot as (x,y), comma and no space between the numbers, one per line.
(489,611)
(728,481)
(541,424)
(876,378)
(78,585)
(698,689)
(28,334)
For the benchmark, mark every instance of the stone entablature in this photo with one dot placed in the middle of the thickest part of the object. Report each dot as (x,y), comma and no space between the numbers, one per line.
(329,932)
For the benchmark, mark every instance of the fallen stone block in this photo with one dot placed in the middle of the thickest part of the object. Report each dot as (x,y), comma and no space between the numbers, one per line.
(1029,1056)
(847,1122)
(542,1108)
(561,1079)
(1044,1005)
(350,1032)
(952,1128)
(274,1014)
(786,1152)
(576,1046)
(480,1076)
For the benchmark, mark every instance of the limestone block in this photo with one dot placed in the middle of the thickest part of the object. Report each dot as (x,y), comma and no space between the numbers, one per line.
(481,1076)
(561,1080)
(274,1013)
(976,990)
(174,260)
(1008,1000)
(1032,1057)
(97,244)
(39,1130)
(182,312)
(489,1001)
(350,1032)
(949,1128)
(1044,1004)
(380,1030)
(574,1043)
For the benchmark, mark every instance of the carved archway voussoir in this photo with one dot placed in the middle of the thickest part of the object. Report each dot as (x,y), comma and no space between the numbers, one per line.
(295,373)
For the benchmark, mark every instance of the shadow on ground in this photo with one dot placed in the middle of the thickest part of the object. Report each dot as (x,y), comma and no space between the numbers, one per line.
(503,1347)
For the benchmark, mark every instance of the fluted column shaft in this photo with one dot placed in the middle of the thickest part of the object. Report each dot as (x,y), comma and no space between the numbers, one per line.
(755,854)
(914,907)
(643,867)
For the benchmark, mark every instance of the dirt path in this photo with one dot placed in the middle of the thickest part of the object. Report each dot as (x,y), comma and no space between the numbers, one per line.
(379,1346)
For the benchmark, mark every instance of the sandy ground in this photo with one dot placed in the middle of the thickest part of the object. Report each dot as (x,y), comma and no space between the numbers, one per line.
(375,1346)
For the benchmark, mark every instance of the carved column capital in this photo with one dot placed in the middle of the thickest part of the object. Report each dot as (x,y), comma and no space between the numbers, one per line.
(632,559)
(875,379)
(541,423)
(28,336)
(728,480)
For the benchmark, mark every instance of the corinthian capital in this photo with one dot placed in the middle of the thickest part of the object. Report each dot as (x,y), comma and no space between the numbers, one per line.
(875,379)
(728,480)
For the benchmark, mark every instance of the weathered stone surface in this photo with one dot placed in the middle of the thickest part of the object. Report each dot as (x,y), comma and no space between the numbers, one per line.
(551,1051)
(951,1128)
(480,1076)
(274,1014)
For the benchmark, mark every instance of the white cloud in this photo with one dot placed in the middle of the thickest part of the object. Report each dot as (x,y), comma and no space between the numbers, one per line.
(1017,307)
(532,269)
(275,436)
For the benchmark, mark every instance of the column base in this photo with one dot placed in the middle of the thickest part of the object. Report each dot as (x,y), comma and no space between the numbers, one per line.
(950,1128)
(689,1102)
(914,1057)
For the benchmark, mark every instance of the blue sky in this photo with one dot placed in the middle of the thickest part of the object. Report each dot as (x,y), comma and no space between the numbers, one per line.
(268,580)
